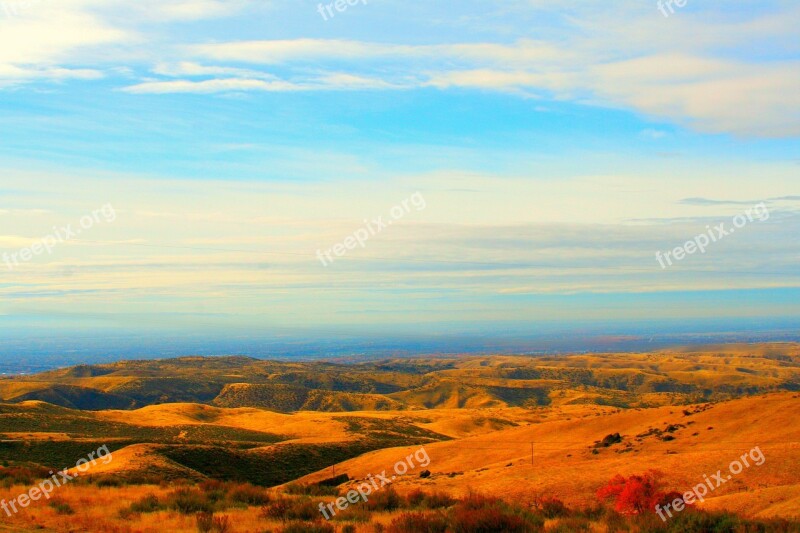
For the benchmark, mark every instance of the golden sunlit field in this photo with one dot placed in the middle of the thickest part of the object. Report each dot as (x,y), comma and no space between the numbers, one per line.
(484,443)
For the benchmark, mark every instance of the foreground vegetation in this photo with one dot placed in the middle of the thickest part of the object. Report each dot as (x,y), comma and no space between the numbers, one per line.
(219,507)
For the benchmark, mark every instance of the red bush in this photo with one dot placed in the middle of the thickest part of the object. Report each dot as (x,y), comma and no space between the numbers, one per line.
(633,495)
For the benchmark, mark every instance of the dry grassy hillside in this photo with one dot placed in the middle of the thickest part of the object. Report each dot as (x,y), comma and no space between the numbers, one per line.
(699,443)
(263,443)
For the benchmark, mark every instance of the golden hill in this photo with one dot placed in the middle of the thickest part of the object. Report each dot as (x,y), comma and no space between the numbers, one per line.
(520,428)
(564,465)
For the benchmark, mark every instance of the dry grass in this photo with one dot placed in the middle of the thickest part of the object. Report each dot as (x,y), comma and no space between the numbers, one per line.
(490,450)
(565,465)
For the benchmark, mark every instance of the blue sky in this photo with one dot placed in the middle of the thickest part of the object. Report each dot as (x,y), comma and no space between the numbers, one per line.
(558,145)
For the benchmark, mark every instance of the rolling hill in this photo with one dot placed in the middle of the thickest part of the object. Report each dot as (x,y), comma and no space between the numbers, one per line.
(635,380)
(232,434)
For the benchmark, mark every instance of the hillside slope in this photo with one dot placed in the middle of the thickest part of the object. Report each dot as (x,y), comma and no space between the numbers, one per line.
(685,446)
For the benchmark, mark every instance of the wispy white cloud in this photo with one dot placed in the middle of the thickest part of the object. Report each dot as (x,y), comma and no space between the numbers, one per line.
(697,70)
(210,86)
(523,52)
(326,82)
(714,95)
(191,69)
(70,39)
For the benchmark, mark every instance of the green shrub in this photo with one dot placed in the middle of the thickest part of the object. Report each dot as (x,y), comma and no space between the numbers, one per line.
(477,514)
(384,500)
(208,523)
(706,522)
(617,522)
(22,475)
(189,501)
(354,513)
(438,500)
(147,504)
(61,507)
(249,494)
(415,498)
(215,490)
(109,481)
(286,509)
(127,514)
(276,510)
(435,500)
(419,523)
(552,507)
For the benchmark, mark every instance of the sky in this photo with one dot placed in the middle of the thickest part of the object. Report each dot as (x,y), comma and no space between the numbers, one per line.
(397,166)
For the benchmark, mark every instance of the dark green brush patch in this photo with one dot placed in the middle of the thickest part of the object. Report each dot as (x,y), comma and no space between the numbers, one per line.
(336,382)
(78,398)
(612,401)
(57,455)
(524,397)
(390,432)
(205,434)
(277,466)
(283,463)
